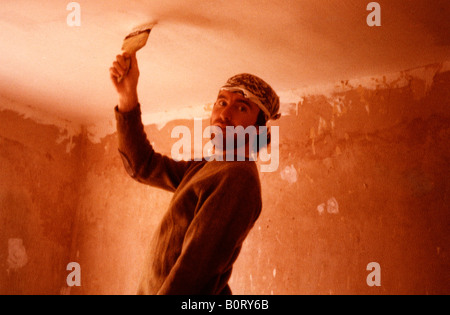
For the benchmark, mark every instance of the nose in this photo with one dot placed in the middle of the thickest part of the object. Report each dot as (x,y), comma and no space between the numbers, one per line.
(226,115)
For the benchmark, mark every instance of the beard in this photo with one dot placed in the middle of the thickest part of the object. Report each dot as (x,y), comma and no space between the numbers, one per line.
(234,141)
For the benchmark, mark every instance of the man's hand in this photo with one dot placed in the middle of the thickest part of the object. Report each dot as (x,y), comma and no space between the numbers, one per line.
(127,88)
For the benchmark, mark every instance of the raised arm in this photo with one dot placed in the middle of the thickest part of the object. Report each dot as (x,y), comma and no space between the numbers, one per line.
(140,160)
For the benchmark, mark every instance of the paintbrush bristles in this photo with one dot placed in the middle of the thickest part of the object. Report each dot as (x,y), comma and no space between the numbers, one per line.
(143,27)
(135,41)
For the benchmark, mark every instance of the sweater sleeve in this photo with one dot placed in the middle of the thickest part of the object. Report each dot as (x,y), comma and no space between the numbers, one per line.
(225,214)
(140,159)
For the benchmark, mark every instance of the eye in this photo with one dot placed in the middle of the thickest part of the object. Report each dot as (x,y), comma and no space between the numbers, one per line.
(221,103)
(242,109)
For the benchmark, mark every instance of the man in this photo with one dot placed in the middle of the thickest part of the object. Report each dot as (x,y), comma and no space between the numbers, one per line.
(215,204)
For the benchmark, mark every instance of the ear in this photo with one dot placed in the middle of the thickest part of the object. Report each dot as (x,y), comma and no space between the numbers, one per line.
(260,121)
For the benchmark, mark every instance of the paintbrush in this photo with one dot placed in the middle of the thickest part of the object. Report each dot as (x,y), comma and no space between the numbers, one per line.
(135,41)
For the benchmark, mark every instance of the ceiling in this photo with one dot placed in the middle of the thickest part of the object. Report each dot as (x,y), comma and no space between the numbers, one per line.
(198,44)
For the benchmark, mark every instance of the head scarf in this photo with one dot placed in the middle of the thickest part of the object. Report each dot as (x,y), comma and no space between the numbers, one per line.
(257,91)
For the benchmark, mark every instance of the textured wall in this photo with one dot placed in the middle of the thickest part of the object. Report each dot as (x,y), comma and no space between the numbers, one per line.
(39,192)
(362,178)
(382,159)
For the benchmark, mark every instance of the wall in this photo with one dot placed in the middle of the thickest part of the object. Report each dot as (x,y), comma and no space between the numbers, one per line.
(362,178)
(39,191)
(380,164)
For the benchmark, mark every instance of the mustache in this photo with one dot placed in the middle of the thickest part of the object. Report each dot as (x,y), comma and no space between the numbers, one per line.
(221,122)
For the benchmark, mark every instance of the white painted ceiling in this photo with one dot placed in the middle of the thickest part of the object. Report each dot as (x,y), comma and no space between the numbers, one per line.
(198,44)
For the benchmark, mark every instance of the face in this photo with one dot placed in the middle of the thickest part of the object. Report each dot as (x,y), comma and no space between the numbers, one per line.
(233,109)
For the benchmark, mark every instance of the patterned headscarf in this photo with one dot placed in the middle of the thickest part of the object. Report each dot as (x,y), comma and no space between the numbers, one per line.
(256,90)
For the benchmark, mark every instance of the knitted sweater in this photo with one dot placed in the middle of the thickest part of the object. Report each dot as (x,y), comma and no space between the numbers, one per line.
(214,206)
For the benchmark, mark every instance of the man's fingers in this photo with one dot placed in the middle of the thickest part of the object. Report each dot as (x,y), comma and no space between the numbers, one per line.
(123,66)
(121,61)
(113,72)
(121,70)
